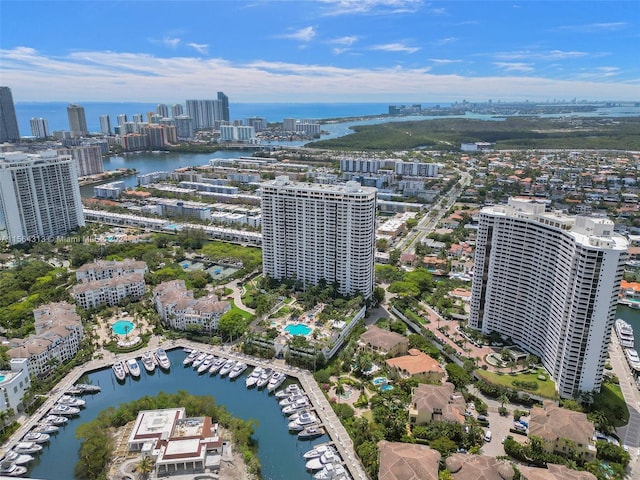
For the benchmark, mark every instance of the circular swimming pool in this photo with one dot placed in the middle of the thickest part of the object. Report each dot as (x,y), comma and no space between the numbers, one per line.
(122,327)
(298,329)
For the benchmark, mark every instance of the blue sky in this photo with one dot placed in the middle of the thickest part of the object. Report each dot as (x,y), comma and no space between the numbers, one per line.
(320,51)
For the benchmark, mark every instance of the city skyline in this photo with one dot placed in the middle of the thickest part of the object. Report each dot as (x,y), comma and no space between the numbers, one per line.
(366,51)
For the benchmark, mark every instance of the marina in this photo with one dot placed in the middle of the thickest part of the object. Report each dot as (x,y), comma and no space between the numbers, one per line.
(280,450)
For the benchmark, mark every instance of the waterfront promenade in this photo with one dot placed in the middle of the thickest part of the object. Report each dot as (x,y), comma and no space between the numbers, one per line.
(329,419)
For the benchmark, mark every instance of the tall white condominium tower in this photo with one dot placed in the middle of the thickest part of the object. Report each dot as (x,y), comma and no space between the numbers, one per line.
(312,232)
(39,196)
(8,121)
(549,282)
(39,127)
(105,124)
(77,121)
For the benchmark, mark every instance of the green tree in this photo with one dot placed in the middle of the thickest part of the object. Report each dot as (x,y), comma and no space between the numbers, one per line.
(457,375)
(232,325)
(145,466)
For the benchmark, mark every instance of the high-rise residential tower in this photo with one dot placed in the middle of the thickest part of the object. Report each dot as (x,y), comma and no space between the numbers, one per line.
(550,283)
(223,107)
(177,109)
(105,124)
(39,127)
(77,121)
(202,112)
(39,196)
(162,110)
(313,232)
(8,121)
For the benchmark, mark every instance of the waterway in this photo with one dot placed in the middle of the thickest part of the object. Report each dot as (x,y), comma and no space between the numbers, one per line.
(632,316)
(279,451)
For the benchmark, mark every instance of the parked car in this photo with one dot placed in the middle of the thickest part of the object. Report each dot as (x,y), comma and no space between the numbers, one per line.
(487,436)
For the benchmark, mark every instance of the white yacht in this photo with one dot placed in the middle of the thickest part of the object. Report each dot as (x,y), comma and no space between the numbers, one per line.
(309,433)
(27,447)
(163,360)
(290,399)
(190,358)
(318,450)
(227,367)
(292,389)
(318,463)
(296,406)
(263,381)
(46,428)
(59,409)
(632,358)
(10,469)
(55,420)
(237,370)
(276,380)
(72,401)
(133,367)
(252,378)
(199,359)
(624,331)
(206,365)
(147,362)
(119,371)
(37,437)
(217,365)
(332,472)
(17,458)
(304,420)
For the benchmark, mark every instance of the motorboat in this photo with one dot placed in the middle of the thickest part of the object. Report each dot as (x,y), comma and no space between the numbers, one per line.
(133,367)
(27,447)
(206,365)
(88,388)
(331,471)
(318,450)
(237,370)
(36,437)
(227,367)
(292,389)
(46,428)
(253,377)
(17,458)
(296,414)
(190,358)
(276,380)
(632,358)
(72,401)
(199,359)
(624,331)
(217,365)
(298,405)
(119,371)
(263,381)
(318,463)
(163,359)
(290,399)
(303,421)
(311,432)
(59,409)
(10,469)
(55,420)
(147,362)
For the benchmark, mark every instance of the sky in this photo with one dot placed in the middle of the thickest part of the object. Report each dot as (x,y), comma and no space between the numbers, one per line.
(409,51)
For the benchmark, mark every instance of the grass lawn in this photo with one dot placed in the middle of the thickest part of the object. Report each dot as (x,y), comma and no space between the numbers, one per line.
(611,402)
(246,315)
(545,388)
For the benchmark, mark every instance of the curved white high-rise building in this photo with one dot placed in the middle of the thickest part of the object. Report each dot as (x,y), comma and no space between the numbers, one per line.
(550,283)
(312,232)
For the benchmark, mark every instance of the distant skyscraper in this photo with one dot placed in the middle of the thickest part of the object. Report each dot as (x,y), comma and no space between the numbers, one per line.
(122,119)
(39,196)
(88,159)
(223,107)
(39,127)
(202,112)
(314,232)
(177,109)
(105,124)
(77,121)
(549,283)
(162,110)
(8,121)
(184,127)
(138,118)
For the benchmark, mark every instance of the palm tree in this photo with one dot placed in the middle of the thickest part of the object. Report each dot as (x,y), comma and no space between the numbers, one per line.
(503,399)
(145,466)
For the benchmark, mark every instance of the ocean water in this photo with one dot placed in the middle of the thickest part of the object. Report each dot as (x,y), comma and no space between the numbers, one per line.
(56,112)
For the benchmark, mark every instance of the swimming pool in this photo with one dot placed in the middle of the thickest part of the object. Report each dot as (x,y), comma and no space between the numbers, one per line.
(2,377)
(379,381)
(386,388)
(122,327)
(298,329)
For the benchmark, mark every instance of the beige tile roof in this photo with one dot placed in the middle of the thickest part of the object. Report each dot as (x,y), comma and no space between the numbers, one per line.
(554,472)
(407,461)
(101,265)
(552,422)
(382,339)
(415,363)
(129,278)
(431,397)
(478,467)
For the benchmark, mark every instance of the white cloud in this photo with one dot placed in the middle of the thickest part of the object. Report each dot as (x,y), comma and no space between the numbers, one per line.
(444,61)
(171,42)
(539,55)
(127,77)
(444,41)
(303,35)
(200,48)
(347,40)
(514,66)
(395,47)
(595,27)
(372,7)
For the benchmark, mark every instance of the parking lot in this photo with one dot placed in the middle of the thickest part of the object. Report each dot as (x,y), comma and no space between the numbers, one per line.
(499,427)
